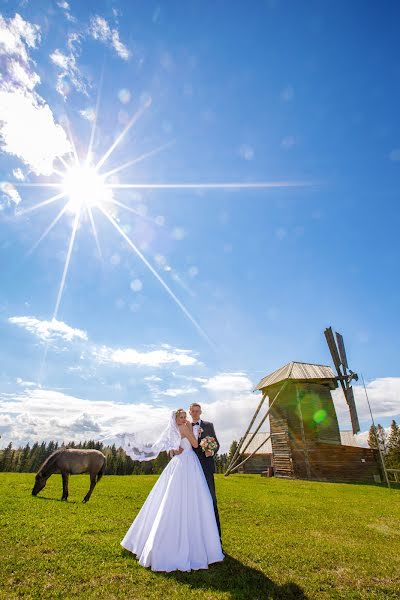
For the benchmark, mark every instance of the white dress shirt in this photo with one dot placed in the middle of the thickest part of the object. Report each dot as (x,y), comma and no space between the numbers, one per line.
(196,429)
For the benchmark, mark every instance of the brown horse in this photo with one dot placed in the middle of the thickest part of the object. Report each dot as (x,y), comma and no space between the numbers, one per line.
(71,461)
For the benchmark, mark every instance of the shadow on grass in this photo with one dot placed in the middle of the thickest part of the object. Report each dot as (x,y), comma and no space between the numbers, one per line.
(239,580)
(57,500)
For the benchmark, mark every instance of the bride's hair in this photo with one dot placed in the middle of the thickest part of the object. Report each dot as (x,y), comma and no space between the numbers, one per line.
(179,411)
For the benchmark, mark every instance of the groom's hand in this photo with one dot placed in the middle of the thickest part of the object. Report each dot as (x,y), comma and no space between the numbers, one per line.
(207,453)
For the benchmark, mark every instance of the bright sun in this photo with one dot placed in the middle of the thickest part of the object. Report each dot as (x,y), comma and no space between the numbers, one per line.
(84,187)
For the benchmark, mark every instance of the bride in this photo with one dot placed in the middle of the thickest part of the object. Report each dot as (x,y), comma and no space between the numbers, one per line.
(176,527)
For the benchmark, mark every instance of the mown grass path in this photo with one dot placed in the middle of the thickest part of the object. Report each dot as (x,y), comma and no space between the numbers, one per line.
(284,539)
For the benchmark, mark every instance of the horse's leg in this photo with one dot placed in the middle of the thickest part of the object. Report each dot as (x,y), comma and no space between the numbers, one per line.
(92,486)
(65,485)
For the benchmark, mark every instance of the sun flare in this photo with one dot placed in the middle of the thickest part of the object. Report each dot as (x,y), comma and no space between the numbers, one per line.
(85,188)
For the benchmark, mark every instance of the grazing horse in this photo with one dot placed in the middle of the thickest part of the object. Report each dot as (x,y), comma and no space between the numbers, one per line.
(71,461)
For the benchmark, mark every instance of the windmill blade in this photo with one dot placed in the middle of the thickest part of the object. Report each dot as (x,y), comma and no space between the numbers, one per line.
(342,351)
(353,411)
(333,348)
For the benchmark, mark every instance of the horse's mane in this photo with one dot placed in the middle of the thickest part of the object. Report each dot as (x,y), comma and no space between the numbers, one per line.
(50,459)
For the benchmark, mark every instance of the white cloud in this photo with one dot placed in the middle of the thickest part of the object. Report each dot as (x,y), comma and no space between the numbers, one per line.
(15,35)
(5,422)
(229,382)
(18,174)
(27,127)
(23,383)
(9,192)
(84,423)
(174,392)
(246,152)
(69,70)
(40,414)
(152,358)
(29,131)
(384,397)
(36,414)
(100,30)
(58,330)
(88,114)
(49,330)
(66,8)
(362,437)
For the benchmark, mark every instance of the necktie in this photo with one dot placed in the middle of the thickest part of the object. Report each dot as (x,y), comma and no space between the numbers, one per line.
(195,423)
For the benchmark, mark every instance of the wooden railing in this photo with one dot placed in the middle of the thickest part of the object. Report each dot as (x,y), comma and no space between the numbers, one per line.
(395,473)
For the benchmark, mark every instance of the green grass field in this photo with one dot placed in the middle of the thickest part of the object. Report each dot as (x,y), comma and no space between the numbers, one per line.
(284,539)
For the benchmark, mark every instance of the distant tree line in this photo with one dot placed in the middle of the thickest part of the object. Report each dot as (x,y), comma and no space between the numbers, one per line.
(27,459)
(388,443)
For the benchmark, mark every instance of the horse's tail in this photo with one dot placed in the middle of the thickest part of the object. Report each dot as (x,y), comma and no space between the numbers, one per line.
(101,472)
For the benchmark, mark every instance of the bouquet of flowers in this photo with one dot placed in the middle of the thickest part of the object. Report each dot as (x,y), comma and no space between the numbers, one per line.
(209,444)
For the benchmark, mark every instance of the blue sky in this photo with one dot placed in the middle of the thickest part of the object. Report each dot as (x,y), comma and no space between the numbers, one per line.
(303,95)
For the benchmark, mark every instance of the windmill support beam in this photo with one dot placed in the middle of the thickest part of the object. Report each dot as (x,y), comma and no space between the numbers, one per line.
(239,452)
(250,455)
(235,456)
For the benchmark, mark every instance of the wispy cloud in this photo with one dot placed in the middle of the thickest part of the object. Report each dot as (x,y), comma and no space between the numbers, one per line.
(100,30)
(27,127)
(229,382)
(69,73)
(88,114)
(9,194)
(54,330)
(151,358)
(175,392)
(65,7)
(49,330)
(18,174)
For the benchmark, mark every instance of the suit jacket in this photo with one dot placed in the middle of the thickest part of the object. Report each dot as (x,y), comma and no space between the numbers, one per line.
(207,462)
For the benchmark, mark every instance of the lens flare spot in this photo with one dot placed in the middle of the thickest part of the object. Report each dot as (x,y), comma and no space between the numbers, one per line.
(320,415)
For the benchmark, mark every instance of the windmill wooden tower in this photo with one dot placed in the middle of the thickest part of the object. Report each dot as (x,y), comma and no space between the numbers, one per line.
(304,429)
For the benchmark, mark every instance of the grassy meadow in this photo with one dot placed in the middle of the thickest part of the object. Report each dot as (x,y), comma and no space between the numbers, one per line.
(283,539)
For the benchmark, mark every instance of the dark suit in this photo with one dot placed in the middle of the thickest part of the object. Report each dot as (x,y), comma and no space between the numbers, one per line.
(208,464)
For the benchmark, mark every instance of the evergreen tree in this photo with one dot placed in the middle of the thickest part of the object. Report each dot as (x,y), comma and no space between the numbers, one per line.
(24,462)
(160,462)
(6,458)
(372,438)
(232,450)
(393,444)
(394,436)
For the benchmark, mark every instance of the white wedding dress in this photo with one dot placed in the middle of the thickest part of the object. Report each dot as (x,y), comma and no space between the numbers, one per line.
(176,529)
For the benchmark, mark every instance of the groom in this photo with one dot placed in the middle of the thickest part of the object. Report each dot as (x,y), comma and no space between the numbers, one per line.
(202,429)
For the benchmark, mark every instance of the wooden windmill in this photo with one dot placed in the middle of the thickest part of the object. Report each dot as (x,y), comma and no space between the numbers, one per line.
(304,430)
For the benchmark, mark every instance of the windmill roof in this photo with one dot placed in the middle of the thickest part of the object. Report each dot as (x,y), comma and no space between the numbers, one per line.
(298,371)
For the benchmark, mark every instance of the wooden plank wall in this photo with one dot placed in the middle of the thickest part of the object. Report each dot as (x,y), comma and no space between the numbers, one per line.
(281,448)
(330,462)
(256,464)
